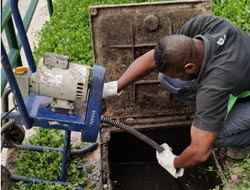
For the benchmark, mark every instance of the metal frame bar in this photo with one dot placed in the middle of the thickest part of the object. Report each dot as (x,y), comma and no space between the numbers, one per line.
(22,33)
(50,7)
(14,41)
(92,118)
(37,180)
(27,121)
(24,117)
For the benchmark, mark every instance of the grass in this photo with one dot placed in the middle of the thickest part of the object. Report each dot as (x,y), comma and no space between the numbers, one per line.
(47,165)
(238,11)
(68,33)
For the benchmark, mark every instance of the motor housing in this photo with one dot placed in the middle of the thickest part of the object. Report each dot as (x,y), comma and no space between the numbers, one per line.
(56,77)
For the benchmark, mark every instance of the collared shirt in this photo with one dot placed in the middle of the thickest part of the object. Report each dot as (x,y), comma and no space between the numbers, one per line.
(225,68)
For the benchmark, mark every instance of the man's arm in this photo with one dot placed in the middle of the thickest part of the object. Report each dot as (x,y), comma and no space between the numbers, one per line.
(138,69)
(198,151)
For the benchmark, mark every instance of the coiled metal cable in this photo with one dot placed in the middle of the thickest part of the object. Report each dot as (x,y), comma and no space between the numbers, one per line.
(134,132)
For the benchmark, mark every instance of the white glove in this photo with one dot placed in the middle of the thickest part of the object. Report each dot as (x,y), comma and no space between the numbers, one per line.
(166,160)
(110,89)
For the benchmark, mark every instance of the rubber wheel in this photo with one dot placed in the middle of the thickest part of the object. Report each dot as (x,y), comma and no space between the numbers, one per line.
(5,178)
(16,134)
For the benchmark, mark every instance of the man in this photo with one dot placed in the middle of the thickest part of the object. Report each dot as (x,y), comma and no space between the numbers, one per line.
(206,64)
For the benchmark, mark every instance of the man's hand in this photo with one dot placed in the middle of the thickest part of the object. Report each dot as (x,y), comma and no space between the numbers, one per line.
(166,160)
(110,89)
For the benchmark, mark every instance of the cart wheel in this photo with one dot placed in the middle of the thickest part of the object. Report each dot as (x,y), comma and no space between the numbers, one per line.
(16,134)
(5,178)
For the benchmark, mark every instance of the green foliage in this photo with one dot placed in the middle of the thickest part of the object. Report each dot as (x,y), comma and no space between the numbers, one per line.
(244,174)
(47,137)
(238,11)
(42,186)
(68,31)
(47,164)
(241,170)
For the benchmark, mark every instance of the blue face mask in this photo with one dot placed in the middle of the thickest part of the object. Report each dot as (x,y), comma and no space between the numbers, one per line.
(185,90)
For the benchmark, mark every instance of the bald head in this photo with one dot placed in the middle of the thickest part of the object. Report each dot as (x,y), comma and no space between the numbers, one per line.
(173,52)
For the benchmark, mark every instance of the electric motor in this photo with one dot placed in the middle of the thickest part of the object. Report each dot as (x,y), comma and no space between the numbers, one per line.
(56,77)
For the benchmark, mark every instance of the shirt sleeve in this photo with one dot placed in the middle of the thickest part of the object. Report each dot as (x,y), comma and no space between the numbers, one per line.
(211,109)
(198,25)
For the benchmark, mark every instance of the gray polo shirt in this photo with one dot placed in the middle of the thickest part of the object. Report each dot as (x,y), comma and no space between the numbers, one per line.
(225,68)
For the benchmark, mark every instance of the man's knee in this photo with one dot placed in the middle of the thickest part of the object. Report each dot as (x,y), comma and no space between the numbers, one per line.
(241,139)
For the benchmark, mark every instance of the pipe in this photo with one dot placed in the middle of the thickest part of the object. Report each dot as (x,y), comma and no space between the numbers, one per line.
(83,151)
(5,102)
(7,126)
(4,128)
(22,33)
(65,157)
(15,89)
(37,180)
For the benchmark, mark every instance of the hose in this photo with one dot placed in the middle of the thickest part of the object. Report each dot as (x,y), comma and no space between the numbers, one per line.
(134,132)
(7,125)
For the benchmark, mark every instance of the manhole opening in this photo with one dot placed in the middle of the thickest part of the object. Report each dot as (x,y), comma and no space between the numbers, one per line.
(133,164)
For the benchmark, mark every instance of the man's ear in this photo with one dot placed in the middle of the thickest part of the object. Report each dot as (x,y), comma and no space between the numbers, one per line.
(190,68)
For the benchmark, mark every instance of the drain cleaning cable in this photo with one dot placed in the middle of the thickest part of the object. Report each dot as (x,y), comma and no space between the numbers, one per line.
(134,132)
(145,139)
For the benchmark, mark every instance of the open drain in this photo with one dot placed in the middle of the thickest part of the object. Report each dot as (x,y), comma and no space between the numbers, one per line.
(127,162)
(133,164)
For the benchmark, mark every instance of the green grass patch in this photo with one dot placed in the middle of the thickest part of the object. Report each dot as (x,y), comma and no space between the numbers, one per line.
(238,11)
(68,31)
(47,165)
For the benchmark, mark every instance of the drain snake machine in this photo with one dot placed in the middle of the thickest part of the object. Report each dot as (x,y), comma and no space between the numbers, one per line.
(56,94)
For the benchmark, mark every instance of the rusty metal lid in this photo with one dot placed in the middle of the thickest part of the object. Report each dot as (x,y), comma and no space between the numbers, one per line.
(120,34)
